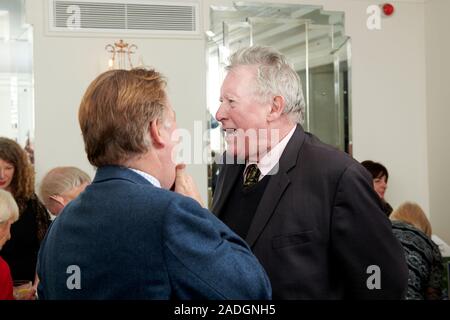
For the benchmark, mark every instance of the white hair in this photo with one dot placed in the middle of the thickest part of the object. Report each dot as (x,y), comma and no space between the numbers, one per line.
(60,180)
(8,207)
(276,76)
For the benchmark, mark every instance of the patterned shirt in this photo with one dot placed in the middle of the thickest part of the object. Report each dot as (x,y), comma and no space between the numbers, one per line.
(424,262)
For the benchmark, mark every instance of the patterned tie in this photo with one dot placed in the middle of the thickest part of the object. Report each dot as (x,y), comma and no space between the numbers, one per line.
(251,177)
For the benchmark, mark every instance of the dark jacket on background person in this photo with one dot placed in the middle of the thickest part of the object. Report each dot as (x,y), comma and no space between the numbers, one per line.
(424,262)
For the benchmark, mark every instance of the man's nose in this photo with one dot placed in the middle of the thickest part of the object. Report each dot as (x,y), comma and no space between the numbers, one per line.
(220,114)
(2,173)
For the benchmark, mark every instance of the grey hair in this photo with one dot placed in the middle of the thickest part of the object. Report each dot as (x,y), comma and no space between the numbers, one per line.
(60,180)
(8,207)
(276,76)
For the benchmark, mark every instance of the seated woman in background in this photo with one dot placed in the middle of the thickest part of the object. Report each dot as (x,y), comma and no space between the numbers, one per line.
(412,228)
(17,177)
(9,213)
(380,178)
(60,186)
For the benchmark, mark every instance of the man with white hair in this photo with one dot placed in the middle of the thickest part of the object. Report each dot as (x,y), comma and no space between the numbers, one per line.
(307,210)
(61,185)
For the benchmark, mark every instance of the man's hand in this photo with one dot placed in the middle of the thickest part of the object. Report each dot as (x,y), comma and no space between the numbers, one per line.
(185,185)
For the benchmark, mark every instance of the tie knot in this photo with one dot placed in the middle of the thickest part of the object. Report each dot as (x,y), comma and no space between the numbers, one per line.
(251,176)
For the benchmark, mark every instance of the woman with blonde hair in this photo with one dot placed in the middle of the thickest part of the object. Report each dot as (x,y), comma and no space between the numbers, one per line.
(17,177)
(412,228)
(413,214)
(60,186)
(9,213)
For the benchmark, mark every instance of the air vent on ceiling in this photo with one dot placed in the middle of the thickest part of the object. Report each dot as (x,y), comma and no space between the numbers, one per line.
(137,16)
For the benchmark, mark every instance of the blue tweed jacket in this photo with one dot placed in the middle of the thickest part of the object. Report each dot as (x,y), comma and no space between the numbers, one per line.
(124,238)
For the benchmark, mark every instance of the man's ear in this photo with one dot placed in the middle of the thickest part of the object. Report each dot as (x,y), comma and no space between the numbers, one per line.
(277,107)
(58,198)
(155,133)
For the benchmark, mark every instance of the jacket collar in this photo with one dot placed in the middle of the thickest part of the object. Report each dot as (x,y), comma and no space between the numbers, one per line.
(277,185)
(105,173)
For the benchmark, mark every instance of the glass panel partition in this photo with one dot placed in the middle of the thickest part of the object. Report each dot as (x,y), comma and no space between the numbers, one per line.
(16,79)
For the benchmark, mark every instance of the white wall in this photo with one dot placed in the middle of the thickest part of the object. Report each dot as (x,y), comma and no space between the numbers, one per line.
(438,107)
(389,101)
(64,67)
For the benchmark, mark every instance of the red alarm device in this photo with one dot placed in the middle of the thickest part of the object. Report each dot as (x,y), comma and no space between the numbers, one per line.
(388,9)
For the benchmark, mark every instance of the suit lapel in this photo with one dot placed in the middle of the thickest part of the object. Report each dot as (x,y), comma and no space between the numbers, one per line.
(276,186)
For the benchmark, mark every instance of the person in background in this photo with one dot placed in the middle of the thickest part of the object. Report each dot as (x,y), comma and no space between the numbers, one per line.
(307,210)
(127,236)
(412,228)
(60,186)
(9,213)
(17,177)
(380,177)
(29,149)
(444,248)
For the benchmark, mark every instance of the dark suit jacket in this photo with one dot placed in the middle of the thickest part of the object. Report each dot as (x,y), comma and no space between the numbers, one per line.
(127,239)
(319,226)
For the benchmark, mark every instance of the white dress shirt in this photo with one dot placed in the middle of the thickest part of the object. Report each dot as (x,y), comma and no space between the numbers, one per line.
(147,177)
(272,158)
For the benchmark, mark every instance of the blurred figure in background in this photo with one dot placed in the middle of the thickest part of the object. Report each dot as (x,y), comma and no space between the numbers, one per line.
(60,186)
(29,149)
(9,213)
(380,177)
(17,177)
(412,228)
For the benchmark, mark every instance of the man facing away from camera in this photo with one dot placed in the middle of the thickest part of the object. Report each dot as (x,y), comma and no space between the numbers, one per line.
(308,211)
(127,236)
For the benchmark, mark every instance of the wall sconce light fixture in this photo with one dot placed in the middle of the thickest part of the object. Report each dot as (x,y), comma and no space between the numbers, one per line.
(120,55)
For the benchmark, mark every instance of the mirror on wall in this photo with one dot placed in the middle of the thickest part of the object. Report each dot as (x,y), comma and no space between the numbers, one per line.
(16,75)
(314,41)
